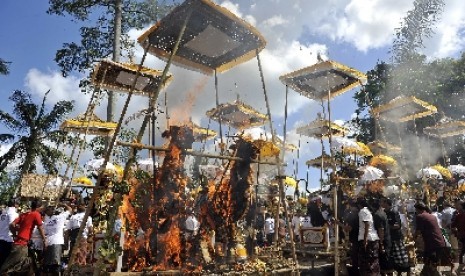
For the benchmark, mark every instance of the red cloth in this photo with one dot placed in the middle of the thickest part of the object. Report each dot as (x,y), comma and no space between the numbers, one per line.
(459,222)
(428,226)
(26,223)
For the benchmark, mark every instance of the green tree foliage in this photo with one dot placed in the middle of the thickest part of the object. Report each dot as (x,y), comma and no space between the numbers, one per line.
(120,154)
(97,37)
(409,73)
(33,133)
(4,69)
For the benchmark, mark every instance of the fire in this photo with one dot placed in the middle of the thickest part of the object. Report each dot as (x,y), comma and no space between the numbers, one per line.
(181,113)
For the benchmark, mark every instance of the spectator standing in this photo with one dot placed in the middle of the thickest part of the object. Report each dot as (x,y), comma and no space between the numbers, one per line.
(74,224)
(398,254)
(314,210)
(296,224)
(21,228)
(7,216)
(446,218)
(368,241)
(54,226)
(434,244)
(351,226)
(382,228)
(458,228)
(269,228)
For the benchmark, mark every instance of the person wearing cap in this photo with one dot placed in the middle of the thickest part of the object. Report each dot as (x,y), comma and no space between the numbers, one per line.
(54,225)
(7,216)
(21,228)
(434,244)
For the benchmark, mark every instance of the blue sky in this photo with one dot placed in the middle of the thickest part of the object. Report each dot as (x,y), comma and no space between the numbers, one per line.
(356,33)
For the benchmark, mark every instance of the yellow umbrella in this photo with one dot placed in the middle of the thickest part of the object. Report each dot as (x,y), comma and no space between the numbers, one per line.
(291,182)
(381,160)
(443,171)
(267,148)
(83,180)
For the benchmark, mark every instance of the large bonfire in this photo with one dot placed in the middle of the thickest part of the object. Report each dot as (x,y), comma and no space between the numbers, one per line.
(155,210)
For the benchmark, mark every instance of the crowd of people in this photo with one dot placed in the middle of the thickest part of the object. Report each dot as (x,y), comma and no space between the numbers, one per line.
(38,240)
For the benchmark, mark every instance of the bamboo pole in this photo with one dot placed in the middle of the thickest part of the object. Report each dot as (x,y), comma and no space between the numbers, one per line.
(282,197)
(193,153)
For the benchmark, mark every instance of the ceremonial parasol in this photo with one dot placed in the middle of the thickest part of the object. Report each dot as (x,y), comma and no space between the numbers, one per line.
(383,161)
(214,38)
(403,109)
(83,180)
(443,171)
(370,173)
(56,182)
(91,125)
(317,162)
(446,129)
(348,146)
(120,76)
(429,173)
(96,165)
(267,148)
(321,128)
(379,147)
(237,115)
(457,169)
(322,79)
(201,133)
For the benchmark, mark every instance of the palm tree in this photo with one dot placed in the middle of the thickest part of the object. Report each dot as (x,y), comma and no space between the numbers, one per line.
(34,133)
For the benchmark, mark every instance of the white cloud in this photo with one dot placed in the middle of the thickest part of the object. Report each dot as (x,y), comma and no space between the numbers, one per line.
(363,24)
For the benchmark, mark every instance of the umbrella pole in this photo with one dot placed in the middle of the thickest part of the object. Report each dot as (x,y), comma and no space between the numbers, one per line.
(335,197)
(278,161)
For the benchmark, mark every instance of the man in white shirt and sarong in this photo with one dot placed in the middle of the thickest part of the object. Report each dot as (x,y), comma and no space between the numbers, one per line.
(54,226)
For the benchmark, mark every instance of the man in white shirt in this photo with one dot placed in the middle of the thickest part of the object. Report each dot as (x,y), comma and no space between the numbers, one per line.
(192,224)
(269,228)
(74,224)
(368,239)
(54,226)
(296,224)
(7,216)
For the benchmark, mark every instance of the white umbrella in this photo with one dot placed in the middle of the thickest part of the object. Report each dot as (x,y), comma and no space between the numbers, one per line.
(340,143)
(96,165)
(56,182)
(371,173)
(429,173)
(146,164)
(457,169)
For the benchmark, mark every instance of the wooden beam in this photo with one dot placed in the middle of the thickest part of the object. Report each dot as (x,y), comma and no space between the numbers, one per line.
(193,153)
